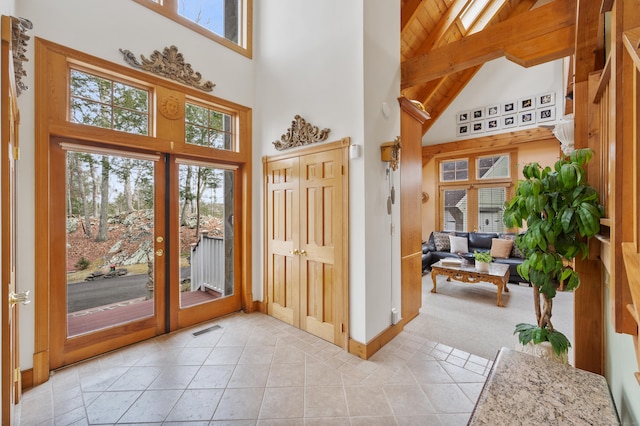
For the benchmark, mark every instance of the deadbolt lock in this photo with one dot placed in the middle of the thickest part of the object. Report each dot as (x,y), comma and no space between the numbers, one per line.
(159,252)
(159,239)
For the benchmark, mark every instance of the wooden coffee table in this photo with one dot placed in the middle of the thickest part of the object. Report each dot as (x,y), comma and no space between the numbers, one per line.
(498,274)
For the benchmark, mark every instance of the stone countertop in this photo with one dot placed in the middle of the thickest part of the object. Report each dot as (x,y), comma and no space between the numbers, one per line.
(525,390)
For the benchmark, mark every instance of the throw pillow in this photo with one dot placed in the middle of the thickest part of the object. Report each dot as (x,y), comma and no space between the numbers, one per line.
(441,240)
(515,251)
(459,244)
(501,248)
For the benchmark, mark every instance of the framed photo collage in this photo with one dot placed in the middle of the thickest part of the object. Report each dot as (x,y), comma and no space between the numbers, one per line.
(522,112)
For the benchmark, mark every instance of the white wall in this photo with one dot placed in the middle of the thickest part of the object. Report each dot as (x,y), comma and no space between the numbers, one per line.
(335,63)
(499,81)
(101,28)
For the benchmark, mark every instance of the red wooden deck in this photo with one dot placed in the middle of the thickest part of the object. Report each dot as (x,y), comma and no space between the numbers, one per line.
(119,313)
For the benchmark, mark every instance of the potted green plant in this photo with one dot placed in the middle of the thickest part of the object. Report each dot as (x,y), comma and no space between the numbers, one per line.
(562,211)
(482,259)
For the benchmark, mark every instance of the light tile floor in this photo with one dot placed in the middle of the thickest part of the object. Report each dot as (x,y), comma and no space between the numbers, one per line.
(256,370)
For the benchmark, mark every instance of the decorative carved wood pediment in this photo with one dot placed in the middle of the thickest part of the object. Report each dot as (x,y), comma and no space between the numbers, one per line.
(169,64)
(301,133)
(19,26)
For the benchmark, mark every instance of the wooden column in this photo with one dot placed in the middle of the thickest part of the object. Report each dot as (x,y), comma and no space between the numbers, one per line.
(412,120)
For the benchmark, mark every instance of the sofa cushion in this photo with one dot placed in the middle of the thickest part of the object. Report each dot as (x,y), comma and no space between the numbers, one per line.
(431,244)
(481,240)
(501,248)
(441,240)
(515,251)
(458,244)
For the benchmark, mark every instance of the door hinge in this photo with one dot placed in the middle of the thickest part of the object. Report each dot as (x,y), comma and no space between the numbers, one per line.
(16,374)
(16,152)
(342,170)
(341,327)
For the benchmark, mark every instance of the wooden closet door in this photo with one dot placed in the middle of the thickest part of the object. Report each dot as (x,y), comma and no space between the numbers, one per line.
(283,263)
(321,248)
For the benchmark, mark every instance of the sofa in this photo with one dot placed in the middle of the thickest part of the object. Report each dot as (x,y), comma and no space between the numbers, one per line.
(436,248)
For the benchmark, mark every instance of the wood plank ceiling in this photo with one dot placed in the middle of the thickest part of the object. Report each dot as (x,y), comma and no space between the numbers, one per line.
(439,56)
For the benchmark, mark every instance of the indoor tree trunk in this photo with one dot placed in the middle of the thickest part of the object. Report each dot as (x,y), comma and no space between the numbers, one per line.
(543,313)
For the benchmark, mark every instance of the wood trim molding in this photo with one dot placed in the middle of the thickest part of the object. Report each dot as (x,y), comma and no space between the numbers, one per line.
(366,350)
(499,141)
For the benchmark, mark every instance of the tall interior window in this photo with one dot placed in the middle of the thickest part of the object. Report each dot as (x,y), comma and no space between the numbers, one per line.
(473,191)
(225,21)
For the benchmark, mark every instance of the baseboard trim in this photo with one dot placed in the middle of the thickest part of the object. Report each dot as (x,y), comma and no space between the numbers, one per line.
(366,350)
(26,379)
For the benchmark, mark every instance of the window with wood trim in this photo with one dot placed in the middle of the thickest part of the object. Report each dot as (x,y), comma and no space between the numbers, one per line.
(227,22)
(106,103)
(473,190)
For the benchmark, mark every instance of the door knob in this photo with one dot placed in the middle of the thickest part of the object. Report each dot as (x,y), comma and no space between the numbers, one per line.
(295,252)
(19,298)
(303,253)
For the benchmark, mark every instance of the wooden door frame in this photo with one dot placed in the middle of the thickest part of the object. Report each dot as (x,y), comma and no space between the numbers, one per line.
(11,384)
(51,91)
(343,145)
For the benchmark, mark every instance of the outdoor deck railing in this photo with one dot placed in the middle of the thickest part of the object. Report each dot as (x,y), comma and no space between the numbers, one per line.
(207,264)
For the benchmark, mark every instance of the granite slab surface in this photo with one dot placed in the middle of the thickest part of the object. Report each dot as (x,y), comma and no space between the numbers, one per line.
(525,390)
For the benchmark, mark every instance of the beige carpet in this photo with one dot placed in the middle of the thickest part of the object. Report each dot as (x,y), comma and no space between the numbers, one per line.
(465,316)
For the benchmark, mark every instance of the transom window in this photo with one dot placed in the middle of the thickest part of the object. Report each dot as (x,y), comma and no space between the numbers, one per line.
(455,170)
(225,21)
(493,167)
(100,102)
(208,127)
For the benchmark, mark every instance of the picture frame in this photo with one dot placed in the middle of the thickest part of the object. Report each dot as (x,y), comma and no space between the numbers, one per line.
(508,107)
(507,121)
(477,127)
(492,111)
(546,114)
(526,104)
(462,129)
(492,124)
(463,117)
(477,114)
(546,99)
(526,118)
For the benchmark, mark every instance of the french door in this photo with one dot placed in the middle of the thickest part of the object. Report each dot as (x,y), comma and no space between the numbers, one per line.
(143,244)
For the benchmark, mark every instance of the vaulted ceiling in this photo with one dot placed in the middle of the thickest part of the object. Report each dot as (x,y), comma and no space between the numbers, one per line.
(440,56)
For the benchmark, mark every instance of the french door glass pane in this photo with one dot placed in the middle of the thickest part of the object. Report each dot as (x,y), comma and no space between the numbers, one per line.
(455,209)
(206,200)
(490,209)
(110,231)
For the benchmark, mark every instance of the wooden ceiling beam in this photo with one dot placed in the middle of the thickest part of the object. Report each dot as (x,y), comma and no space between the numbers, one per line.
(589,56)
(408,11)
(548,22)
(502,140)
(436,34)
(539,50)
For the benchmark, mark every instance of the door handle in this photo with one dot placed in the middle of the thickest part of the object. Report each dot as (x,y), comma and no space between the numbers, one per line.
(19,298)
(295,252)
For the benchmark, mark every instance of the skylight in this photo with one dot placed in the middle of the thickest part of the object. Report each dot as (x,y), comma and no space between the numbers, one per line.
(472,12)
